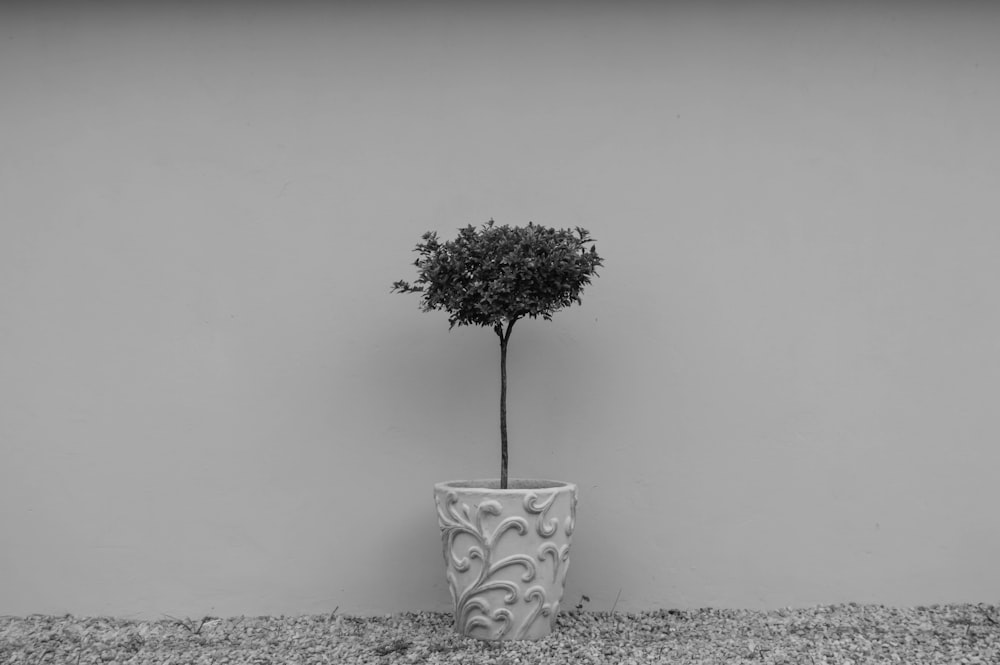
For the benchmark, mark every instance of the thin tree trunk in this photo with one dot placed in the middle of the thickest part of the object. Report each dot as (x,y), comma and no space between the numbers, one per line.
(503,413)
(503,402)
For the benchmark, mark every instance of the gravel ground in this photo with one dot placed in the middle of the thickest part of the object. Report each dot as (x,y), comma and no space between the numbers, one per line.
(840,634)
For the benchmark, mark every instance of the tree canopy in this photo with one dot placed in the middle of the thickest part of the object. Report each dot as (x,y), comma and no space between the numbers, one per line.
(498,273)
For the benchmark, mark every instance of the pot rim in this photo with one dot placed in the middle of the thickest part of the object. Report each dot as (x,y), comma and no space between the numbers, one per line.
(492,485)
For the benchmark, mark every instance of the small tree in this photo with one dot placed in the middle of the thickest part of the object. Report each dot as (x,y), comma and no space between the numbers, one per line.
(494,275)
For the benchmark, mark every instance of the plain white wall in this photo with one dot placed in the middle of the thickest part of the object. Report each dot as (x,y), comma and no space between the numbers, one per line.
(781,390)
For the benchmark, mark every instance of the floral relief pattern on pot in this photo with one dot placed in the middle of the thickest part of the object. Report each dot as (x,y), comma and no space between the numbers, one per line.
(492,597)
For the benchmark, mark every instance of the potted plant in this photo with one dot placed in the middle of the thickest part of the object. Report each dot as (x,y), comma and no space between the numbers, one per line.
(506,541)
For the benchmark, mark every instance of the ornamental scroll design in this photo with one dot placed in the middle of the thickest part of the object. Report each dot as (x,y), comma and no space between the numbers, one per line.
(472,609)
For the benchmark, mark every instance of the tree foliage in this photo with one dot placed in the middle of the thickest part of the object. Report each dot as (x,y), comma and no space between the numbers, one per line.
(499,273)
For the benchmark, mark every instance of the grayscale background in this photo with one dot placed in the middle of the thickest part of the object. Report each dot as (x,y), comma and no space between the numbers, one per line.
(781,391)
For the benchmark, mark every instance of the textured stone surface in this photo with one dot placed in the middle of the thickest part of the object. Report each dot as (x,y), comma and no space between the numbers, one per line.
(827,635)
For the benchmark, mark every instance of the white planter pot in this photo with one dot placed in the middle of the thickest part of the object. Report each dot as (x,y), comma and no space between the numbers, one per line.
(506,554)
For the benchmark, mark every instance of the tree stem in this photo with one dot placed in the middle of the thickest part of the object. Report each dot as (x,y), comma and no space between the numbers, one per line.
(504,338)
